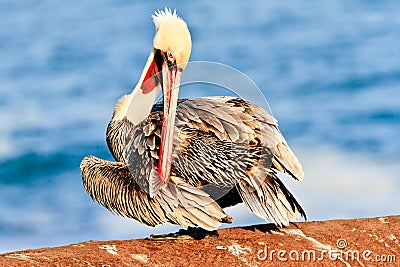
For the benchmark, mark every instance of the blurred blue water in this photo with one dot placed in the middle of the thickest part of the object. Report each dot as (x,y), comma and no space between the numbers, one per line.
(330,71)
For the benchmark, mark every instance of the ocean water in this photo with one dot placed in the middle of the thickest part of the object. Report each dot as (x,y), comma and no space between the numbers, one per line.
(329,70)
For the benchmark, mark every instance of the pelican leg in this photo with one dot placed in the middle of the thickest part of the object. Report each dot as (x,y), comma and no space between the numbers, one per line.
(195,233)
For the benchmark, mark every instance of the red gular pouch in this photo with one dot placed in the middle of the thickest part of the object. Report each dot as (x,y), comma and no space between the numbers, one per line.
(152,78)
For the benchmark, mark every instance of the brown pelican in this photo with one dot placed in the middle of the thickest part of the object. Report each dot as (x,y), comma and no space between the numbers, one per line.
(183,161)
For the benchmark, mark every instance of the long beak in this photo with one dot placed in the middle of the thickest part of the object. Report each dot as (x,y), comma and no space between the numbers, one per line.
(171,79)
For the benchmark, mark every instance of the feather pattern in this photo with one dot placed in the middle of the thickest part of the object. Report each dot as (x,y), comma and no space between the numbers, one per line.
(111,185)
(225,151)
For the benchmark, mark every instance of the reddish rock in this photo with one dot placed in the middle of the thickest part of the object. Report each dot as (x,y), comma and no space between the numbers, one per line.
(359,242)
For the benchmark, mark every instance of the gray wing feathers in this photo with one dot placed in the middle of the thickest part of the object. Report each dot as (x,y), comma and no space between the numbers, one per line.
(285,160)
(270,200)
(111,185)
(245,123)
(242,122)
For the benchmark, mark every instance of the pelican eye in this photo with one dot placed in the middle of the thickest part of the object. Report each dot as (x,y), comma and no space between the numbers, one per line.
(170,55)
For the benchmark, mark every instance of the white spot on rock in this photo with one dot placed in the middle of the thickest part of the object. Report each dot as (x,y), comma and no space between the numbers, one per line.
(19,257)
(392,237)
(382,220)
(239,252)
(299,233)
(112,249)
(142,258)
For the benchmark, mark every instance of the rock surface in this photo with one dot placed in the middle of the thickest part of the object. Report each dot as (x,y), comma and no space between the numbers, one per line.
(358,242)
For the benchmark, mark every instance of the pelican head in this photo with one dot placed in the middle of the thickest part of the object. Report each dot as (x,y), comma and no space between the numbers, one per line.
(170,55)
(172,37)
(173,42)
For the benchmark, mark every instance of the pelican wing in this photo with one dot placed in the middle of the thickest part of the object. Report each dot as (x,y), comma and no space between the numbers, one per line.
(236,120)
(111,185)
(241,154)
